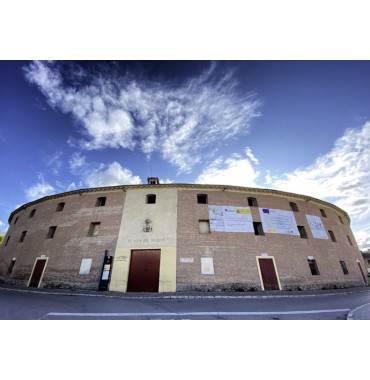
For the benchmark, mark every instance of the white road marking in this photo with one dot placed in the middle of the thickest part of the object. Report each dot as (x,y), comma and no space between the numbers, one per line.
(196,313)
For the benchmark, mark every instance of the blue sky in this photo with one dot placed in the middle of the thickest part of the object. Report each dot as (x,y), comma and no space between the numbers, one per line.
(299,126)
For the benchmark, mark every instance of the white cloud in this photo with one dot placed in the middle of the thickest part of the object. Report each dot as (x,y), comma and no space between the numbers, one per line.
(76,161)
(39,190)
(121,112)
(363,238)
(251,156)
(166,181)
(73,186)
(3,227)
(112,175)
(341,176)
(235,170)
(55,162)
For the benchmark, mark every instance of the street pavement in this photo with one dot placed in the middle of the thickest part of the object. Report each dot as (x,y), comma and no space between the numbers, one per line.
(359,313)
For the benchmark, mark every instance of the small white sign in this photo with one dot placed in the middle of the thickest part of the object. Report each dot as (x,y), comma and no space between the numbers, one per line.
(264,254)
(85,266)
(186,260)
(207,265)
(310,257)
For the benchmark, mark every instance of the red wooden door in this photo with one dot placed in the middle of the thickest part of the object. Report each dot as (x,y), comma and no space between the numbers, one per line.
(268,273)
(144,271)
(362,272)
(37,273)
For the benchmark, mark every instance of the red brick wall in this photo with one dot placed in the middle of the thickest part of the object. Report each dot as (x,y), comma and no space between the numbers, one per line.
(234,254)
(71,242)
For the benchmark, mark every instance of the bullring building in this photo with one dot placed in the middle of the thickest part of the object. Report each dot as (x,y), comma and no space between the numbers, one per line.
(180,237)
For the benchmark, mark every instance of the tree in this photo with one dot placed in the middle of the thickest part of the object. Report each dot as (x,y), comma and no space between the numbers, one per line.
(1,239)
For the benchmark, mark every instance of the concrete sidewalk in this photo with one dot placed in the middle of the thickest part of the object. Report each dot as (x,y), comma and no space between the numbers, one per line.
(360,313)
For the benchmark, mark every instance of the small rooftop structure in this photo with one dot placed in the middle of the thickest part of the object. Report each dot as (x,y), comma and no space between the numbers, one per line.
(153,181)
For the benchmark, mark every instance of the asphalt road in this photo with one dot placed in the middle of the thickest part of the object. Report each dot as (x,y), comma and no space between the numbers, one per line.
(25,305)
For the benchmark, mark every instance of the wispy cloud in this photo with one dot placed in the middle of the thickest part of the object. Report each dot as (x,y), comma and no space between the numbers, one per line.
(341,176)
(55,162)
(179,121)
(40,189)
(76,162)
(235,170)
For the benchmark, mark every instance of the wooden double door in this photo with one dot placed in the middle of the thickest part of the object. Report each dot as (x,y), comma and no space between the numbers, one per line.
(144,270)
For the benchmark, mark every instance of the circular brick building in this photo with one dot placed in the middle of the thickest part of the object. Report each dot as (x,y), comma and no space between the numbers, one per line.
(180,237)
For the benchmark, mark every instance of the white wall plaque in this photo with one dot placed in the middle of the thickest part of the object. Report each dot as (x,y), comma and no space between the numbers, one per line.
(264,254)
(186,260)
(85,266)
(207,265)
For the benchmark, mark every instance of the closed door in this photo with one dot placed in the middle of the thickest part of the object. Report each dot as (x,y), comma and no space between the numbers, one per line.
(268,274)
(362,272)
(37,273)
(144,271)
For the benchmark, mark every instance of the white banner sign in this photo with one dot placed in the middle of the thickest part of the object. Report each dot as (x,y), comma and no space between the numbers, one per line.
(317,227)
(230,219)
(278,221)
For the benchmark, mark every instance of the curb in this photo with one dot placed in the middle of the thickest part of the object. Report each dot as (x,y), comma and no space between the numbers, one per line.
(189,296)
(352,312)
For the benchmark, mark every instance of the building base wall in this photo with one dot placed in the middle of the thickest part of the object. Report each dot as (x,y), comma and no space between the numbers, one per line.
(255,287)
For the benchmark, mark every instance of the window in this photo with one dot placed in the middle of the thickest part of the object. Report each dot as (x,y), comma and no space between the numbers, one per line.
(100,202)
(293,206)
(7,240)
(94,229)
(332,236)
(151,198)
(340,219)
(202,198)
(60,207)
(313,267)
(16,220)
(32,213)
(10,269)
(252,202)
(51,232)
(323,213)
(23,235)
(258,230)
(344,267)
(368,261)
(204,227)
(302,232)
